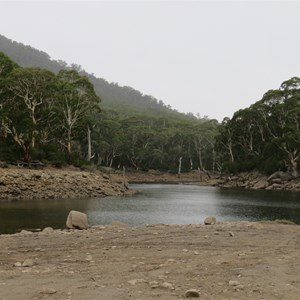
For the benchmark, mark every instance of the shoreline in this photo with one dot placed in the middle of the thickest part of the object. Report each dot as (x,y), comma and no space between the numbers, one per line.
(53,183)
(245,180)
(222,261)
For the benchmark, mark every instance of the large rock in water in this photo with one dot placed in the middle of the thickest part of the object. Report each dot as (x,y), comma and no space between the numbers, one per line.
(77,220)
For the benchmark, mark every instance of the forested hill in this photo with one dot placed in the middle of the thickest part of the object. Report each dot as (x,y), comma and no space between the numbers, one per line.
(122,99)
(131,130)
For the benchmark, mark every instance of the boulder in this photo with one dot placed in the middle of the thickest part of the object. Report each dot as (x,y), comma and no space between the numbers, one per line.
(280,175)
(210,221)
(77,220)
(261,184)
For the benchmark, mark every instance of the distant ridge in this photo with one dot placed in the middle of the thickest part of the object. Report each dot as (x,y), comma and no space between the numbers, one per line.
(113,96)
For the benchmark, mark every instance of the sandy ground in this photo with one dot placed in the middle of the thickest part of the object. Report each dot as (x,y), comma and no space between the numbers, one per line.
(224,261)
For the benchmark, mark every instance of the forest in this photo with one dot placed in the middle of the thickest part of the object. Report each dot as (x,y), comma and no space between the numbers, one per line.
(57,118)
(58,113)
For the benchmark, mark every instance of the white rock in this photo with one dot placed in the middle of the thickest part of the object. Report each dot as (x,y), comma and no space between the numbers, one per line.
(210,221)
(77,220)
(135,281)
(168,285)
(25,232)
(233,283)
(28,263)
(48,230)
(48,291)
(89,257)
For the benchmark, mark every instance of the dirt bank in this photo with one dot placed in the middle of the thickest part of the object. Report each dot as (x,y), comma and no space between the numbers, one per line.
(21,184)
(224,261)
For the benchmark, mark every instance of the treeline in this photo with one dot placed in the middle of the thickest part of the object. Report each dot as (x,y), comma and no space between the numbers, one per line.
(265,136)
(56,118)
(133,129)
(162,142)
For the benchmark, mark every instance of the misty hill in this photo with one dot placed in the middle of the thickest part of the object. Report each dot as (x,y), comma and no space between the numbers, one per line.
(114,97)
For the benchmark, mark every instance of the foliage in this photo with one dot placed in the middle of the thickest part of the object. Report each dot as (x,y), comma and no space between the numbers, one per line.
(266,135)
(57,118)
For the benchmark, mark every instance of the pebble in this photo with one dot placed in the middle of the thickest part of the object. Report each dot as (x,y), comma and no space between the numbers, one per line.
(154,284)
(231,233)
(233,283)
(168,285)
(17,264)
(192,293)
(170,261)
(48,229)
(25,232)
(48,291)
(135,281)
(28,263)
(238,287)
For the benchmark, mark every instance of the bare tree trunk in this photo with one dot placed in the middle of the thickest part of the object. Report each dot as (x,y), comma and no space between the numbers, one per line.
(191,163)
(200,176)
(230,151)
(214,159)
(179,166)
(69,145)
(89,141)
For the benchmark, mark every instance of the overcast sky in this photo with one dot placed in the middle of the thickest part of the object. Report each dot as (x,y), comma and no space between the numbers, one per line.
(211,58)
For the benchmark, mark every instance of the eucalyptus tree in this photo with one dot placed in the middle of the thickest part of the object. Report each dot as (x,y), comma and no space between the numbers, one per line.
(28,101)
(75,104)
(267,133)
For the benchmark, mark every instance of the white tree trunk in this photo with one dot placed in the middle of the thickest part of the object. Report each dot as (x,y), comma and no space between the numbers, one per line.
(179,166)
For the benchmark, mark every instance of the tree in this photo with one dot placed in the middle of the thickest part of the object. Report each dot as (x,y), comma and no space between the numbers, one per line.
(26,105)
(75,105)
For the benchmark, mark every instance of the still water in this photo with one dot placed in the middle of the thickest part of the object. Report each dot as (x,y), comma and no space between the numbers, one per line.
(156,203)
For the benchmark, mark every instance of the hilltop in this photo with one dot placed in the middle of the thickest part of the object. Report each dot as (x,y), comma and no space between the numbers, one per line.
(113,96)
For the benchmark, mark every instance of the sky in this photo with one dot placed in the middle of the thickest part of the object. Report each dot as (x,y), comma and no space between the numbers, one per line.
(206,57)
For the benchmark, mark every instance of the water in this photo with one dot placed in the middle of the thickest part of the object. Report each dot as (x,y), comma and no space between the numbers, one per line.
(157,203)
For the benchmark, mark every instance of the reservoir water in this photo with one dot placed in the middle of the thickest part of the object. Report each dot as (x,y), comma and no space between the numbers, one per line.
(156,203)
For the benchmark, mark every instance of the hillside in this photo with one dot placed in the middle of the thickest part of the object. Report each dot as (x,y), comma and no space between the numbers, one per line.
(122,99)
(132,130)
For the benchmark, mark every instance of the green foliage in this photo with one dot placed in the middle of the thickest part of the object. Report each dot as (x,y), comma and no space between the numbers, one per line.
(265,136)
(47,118)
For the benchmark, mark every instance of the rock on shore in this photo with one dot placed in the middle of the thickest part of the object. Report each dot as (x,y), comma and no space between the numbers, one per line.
(22,184)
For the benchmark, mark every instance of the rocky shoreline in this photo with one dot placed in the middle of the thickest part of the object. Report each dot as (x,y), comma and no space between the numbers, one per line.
(246,180)
(257,181)
(50,183)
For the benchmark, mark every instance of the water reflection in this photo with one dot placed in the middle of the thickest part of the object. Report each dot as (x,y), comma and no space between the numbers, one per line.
(171,204)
